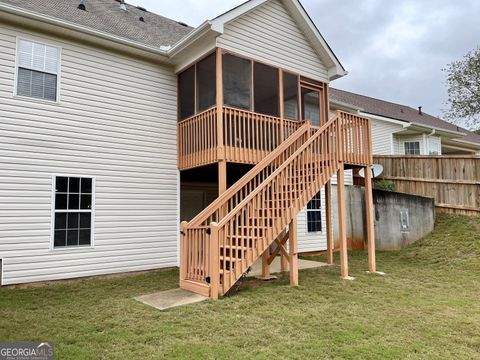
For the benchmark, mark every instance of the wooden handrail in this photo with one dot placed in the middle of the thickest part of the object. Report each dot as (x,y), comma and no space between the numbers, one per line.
(249,216)
(246,180)
(277,171)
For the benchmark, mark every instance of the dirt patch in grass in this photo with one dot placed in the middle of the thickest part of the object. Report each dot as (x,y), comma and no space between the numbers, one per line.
(425,307)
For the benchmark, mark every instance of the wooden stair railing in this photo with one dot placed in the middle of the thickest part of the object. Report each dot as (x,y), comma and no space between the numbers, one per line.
(237,192)
(225,239)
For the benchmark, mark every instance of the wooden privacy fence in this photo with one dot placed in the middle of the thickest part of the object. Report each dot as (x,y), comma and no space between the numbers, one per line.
(453,181)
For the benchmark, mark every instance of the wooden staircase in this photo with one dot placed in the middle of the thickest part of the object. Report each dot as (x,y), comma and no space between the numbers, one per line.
(220,244)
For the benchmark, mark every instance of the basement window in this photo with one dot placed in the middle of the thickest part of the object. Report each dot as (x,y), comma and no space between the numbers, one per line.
(37,70)
(73,211)
(412,147)
(314,214)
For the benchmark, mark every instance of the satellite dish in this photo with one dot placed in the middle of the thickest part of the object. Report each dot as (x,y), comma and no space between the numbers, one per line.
(377,169)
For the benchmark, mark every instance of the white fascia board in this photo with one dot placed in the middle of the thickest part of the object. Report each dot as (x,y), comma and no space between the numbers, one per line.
(335,68)
(438,131)
(217,24)
(192,37)
(82,29)
(469,143)
(336,72)
(405,124)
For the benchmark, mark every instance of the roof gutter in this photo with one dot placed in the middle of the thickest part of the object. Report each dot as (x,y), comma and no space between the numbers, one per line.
(403,123)
(82,29)
(192,37)
(473,144)
(437,130)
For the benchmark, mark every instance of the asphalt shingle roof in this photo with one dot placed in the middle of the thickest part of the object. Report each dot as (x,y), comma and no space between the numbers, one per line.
(399,112)
(106,16)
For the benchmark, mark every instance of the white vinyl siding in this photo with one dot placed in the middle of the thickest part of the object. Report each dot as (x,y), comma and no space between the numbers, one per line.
(116,122)
(434,145)
(311,242)
(382,137)
(270,34)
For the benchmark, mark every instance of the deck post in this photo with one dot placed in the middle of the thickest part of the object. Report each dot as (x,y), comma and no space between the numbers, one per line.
(222,164)
(328,215)
(370,219)
(214,261)
(282,106)
(283,258)
(265,264)
(292,248)
(342,229)
(222,177)
(183,255)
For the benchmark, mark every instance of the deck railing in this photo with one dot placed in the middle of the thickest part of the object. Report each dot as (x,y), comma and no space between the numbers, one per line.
(219,244)
(247,137)
(197,140)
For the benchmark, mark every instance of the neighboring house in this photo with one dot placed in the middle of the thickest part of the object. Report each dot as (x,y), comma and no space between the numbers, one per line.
(396,130)
(402,130)
(114,120)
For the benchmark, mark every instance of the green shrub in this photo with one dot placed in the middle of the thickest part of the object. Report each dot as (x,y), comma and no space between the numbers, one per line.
(386,185)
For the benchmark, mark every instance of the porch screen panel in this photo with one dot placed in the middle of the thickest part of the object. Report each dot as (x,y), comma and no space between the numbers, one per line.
(266,89)
(290,96)
(206,83)
(311,106)
(237,82)
(186,93)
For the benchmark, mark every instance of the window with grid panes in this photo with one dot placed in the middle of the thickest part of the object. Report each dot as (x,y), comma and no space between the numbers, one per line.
(73,211)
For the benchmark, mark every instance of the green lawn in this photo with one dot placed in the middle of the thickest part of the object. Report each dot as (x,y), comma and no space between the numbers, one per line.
(427,306)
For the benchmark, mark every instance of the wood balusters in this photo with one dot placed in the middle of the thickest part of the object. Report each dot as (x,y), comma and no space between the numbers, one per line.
(243,222)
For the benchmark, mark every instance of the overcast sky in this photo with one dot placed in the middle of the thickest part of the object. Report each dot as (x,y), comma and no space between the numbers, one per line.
(393,50)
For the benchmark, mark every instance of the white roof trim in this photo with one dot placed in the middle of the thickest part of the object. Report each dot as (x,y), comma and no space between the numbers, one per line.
(218,23)
(335,68)
(405,124)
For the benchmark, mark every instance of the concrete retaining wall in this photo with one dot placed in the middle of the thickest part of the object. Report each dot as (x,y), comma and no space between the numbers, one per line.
(400,219)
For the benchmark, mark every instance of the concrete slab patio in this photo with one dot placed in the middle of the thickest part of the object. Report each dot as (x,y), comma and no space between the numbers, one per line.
(168,299)
(164,300)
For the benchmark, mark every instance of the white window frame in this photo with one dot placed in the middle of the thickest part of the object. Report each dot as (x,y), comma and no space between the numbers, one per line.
(59,67)
(411,142)
(53,211)
(307,210)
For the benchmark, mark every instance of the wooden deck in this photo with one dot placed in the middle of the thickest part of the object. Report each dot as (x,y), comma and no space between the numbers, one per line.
(226,238)
(246,137)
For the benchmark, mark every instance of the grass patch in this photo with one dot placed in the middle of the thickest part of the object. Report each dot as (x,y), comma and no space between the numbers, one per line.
(426,307)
